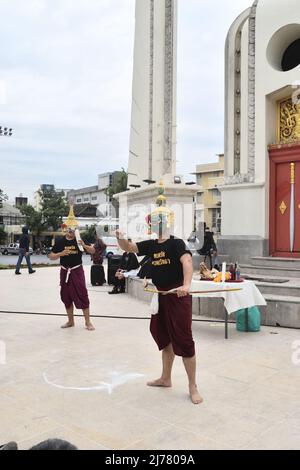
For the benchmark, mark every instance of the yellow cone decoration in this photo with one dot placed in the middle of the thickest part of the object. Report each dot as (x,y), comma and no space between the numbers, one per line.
(71,221)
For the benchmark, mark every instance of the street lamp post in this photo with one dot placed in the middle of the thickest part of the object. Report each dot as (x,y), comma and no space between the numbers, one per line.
(6,131)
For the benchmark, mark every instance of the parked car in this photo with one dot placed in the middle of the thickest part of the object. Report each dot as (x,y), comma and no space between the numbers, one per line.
(12,249)
(112,247)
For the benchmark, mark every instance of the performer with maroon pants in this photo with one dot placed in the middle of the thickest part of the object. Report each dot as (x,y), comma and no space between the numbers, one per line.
(172,268)
(72,280)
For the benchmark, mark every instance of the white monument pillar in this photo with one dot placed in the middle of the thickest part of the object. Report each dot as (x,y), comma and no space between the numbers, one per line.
(152,152)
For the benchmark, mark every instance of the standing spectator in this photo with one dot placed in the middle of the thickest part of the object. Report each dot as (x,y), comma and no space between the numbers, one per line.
(24,251)
(209,249)
(100,249)
(97,270)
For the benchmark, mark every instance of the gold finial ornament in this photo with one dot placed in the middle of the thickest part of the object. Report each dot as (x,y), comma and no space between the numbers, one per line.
(71,221)
(161,216)
(292,173)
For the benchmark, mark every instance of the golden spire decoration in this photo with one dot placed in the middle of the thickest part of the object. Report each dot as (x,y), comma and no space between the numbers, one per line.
(71,221)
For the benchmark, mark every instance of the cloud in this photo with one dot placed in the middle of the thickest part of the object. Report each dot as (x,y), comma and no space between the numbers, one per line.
(66,68)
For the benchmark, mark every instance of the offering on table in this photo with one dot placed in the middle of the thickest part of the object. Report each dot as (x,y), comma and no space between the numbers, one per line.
(206,274)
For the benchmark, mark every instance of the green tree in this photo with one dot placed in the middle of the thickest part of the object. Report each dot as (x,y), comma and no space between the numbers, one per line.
(54,208)
(3,236)
(119,185)
(89,235)
(34,219)
(3,198)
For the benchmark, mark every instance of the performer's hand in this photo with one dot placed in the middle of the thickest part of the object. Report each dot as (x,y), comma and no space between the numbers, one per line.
(183,291)
(65,253)
(119,235)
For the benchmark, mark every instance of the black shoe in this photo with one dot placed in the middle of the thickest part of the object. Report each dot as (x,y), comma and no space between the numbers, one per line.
(32,272)
(114,291)
(121,291)
(18,274)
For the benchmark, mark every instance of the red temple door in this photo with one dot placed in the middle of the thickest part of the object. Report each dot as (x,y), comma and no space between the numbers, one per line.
(285,201)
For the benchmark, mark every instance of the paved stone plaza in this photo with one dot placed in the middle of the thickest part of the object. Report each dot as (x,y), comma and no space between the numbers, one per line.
(89,387)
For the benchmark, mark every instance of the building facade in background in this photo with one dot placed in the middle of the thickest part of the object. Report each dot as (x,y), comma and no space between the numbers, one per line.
(12,221)
(210,177)
(95,201)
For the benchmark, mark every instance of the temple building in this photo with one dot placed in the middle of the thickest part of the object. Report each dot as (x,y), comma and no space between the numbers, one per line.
(261,193)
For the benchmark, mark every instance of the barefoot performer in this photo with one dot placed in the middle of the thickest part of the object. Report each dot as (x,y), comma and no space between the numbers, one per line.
(72,280)
(172,268)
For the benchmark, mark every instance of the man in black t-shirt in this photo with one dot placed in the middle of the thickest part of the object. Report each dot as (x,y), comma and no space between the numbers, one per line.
(72,279)
(171,328)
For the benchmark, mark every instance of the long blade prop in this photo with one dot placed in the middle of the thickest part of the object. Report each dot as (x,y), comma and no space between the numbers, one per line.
(172,292)
(292,212)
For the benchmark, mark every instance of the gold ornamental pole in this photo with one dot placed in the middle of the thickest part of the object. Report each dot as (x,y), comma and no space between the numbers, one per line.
(292,212)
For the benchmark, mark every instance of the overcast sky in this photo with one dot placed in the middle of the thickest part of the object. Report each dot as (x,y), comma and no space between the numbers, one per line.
(65,87)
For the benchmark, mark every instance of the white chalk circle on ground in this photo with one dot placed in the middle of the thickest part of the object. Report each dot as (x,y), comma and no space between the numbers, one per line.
(96,376)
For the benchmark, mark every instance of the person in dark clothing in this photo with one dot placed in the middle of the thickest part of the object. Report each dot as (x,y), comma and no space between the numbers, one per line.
(209,249)
(145,272)
(97,270)
(24,251)
(172,274)
(49,444)
(100,249)
(73,291)
(129,262)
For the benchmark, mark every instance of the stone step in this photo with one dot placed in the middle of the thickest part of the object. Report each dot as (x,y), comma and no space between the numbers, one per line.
(270,270)
(286,290)
(281,311)
(290,263)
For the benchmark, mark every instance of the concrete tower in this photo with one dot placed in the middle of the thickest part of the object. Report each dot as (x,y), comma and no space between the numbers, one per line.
(152,152)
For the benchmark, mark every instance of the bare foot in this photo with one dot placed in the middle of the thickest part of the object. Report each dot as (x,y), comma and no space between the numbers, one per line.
(160,383)
(195,395)
(90,327)
(68,325)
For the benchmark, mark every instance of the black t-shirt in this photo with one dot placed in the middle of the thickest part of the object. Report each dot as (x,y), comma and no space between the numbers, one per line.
(24,242)
(74,259)
(167,269)
(129,262)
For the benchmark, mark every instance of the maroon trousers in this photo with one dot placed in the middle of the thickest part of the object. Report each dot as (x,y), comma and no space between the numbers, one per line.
(173,324)
(74,290)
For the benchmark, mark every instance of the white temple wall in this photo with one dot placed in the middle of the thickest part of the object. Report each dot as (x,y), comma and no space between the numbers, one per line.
(243,212)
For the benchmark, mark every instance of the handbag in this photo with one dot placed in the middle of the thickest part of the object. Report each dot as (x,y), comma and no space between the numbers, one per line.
(254,319)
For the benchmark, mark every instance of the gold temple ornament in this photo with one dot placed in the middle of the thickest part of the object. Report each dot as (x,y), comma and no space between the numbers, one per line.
(282,208)
(288,122)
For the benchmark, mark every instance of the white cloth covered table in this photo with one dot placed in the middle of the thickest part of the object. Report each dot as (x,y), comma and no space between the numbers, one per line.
(248,296)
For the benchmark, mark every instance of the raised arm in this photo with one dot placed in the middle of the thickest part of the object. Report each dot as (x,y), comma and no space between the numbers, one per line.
(188,271)
(125,245)
(88,248)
